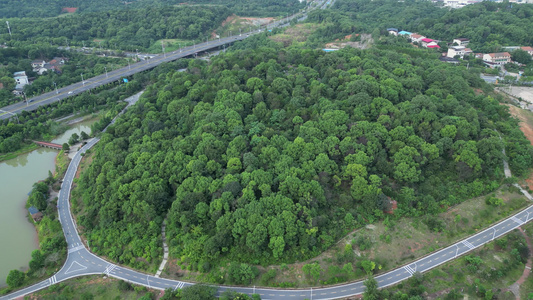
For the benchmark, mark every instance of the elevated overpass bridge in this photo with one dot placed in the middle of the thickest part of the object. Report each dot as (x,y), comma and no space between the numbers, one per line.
(34,103)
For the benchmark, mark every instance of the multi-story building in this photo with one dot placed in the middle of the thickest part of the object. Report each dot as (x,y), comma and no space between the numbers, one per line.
(499,58)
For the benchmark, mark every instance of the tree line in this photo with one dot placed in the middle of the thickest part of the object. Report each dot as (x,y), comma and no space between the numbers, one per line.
(123,29)
(488,25)
(51,8)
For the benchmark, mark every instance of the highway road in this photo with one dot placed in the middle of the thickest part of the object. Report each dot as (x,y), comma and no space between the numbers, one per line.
(118,74)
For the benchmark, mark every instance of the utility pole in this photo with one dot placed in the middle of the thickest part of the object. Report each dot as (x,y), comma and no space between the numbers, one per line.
(83,82)
(8,29)
(240,33)
(179,46)
(56,88)
(163,47)
(105,71)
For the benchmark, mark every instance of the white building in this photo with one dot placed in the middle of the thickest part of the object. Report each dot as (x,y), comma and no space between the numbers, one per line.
(456,51)
(499,58)
(461,42)
(21,79)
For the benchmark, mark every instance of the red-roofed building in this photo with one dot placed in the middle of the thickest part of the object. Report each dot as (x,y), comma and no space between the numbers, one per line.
(69,10)
(528,50)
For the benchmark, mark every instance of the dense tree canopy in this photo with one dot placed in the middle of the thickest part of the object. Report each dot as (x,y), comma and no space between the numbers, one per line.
(265,154)
(487,24)
(127,29)
(52,8)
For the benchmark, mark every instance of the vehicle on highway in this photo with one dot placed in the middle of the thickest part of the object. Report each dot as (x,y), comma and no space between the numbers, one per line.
(70,92)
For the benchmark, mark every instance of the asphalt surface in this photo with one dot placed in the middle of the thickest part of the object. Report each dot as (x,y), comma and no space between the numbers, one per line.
(81,262)
(118,74)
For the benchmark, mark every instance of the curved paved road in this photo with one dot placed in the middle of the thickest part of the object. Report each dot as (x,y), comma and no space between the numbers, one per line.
(81,262)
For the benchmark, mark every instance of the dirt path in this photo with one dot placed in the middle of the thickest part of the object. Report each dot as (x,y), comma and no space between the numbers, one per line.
(527,128)
(515,287)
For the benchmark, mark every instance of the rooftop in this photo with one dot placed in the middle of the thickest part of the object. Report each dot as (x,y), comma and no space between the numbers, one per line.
(33,210)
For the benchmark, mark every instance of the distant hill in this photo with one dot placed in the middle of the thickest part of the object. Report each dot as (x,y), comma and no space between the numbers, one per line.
(53,8)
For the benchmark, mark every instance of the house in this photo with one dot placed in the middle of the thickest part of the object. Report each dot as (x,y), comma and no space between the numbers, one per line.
(405,33)
(415,37)
(528,50)
(54,65)
(433,45)
(393,31)
(21,80)
(37,64)
(461,41)
(499,58)
(426,41)
(454,51)
(36,215)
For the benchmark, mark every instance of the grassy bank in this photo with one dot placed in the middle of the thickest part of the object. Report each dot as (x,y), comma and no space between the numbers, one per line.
(23,150)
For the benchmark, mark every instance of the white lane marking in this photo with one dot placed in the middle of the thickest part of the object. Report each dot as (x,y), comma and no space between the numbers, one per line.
(179,285)
(75,268)
(408,269)
(517,220)
(469,245)
(109,268)
(75,249)
(53,280)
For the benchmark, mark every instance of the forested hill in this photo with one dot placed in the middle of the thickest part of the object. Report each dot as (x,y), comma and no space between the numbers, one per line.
(53,8)
(128,29)
(487,24)
(268,155)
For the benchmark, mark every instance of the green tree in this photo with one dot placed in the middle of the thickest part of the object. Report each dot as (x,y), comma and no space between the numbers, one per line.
(15,278)
(198,292)
(312,270)
(74,138)
(521,56)
(371,291)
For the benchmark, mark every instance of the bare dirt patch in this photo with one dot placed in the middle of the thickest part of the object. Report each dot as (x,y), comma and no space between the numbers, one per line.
(297,33)
(364,43)
(526,125)
(228,20)
(254,21)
